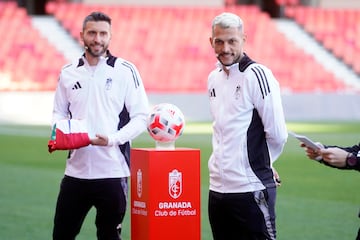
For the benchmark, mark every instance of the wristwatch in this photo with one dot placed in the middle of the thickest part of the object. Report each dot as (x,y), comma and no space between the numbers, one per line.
(351,160)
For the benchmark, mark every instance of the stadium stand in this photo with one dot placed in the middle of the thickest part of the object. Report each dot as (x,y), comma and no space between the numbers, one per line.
(336,29)
(169,45)
(29,62)
(288,2)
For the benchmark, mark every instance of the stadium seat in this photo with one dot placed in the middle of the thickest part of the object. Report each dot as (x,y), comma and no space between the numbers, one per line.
(170,45)
(156,36)
(25,50)
(336,29)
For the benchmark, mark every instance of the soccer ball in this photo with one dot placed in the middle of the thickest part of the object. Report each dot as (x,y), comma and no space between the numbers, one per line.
(165,122)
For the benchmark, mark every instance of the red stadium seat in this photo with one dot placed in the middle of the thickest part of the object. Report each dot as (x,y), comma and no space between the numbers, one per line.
(334,28)
(21,47)
(170,45)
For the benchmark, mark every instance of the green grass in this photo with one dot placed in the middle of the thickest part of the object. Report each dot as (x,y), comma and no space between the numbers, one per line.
(314,201)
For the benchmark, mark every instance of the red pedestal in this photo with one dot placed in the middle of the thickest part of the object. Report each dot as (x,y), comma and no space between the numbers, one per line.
(165,194)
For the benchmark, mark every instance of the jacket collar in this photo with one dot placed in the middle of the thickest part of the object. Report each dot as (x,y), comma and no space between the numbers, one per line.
(245,61)
(110,59)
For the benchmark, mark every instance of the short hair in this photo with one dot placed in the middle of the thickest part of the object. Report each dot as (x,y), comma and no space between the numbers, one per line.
(96,17)
(228,20)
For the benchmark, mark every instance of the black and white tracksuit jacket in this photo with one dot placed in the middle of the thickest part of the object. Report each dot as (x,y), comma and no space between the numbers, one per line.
(110,97)
(249,130)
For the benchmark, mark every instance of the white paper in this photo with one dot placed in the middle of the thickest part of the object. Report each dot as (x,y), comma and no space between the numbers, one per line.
(307,141)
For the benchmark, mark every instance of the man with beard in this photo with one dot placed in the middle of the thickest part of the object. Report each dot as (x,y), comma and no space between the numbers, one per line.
(107,93)
(249,134)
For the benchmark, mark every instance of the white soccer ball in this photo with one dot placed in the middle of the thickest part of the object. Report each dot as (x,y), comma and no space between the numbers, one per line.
(165,122)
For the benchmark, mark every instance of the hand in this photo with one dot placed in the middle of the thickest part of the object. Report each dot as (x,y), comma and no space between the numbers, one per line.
(276,177)
(312,153)
(100,140)
(334,156)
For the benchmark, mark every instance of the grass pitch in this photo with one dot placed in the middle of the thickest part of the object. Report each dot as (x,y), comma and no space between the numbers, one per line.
(314,201)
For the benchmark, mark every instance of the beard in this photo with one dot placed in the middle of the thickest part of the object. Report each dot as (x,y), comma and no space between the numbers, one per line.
(236,59)
(96,53)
